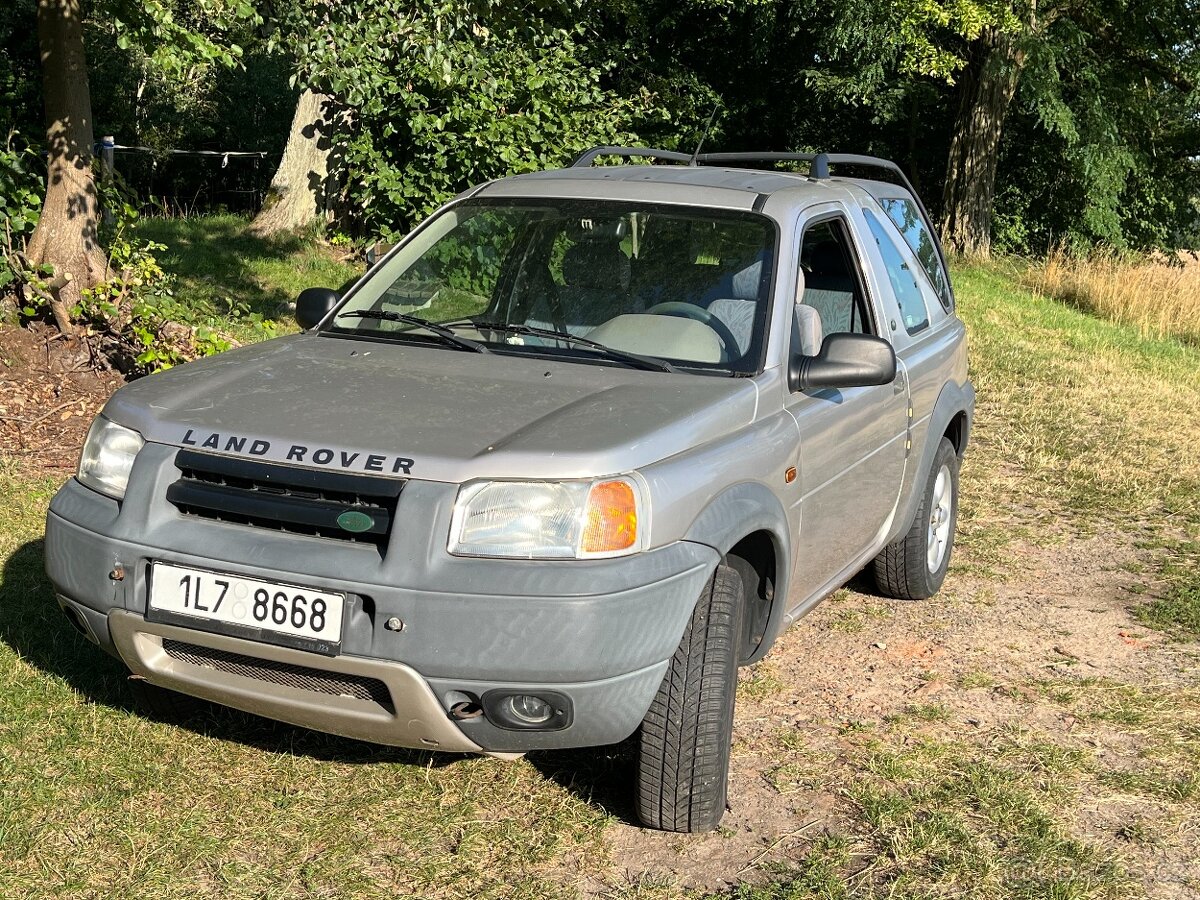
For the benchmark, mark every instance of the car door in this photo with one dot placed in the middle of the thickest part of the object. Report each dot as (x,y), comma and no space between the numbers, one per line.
(852,440)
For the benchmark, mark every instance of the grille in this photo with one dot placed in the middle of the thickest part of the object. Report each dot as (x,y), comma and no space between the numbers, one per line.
(301,678)
(284,498)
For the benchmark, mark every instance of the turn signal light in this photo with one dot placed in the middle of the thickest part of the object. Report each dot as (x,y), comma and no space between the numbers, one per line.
(610,520)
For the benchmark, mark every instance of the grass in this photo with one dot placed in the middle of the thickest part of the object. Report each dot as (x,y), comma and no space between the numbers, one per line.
(1176,609)
(1078,420)
(218,265)
(1082,423)
(1158,297)
(946,817)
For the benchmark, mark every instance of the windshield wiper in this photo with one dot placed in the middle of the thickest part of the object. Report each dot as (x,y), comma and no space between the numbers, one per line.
(636,359)
(446,334)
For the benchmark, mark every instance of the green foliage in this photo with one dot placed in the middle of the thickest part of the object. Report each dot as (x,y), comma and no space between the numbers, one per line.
(871,51)
(1101,147)
(177,35)
(223,100)
(446,96)
(1100,144)
(21,190)
(133,318)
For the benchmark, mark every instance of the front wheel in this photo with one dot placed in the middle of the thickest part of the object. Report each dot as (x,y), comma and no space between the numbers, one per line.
(914,567)
(683,758)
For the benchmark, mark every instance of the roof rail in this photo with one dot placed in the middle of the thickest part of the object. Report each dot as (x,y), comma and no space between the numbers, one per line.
(819,163)
(588,157)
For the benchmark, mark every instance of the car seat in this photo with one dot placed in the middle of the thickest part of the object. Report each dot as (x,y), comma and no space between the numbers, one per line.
(737,312)
(828,287)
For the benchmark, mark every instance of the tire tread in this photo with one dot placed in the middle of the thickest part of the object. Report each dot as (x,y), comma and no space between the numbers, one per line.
(684,743)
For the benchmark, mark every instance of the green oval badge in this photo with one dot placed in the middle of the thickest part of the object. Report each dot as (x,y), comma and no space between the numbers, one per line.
(355,521)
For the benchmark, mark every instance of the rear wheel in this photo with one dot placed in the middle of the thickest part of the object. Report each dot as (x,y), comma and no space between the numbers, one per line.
(914,567)
(683,759)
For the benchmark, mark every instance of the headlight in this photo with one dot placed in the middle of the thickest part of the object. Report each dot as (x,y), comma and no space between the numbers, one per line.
(108,455)
(550,520)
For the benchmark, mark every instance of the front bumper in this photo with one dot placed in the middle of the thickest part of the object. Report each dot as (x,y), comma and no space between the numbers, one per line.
(600,632)
(368,699)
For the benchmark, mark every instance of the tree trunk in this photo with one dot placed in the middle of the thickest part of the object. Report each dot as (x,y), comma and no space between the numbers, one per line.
(297,193)
(66,236)
(987,92)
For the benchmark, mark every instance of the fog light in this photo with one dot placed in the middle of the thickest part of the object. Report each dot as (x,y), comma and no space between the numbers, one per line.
(527,708)
(543,711)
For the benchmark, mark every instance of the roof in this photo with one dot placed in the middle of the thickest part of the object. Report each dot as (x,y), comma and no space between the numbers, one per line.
(755,181)
(711,179)
(734,188)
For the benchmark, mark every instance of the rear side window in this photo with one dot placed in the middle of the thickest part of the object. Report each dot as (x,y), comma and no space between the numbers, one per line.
(904,284)
(906,217)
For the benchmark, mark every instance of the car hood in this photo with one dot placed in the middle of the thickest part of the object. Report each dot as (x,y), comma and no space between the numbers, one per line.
(430,412)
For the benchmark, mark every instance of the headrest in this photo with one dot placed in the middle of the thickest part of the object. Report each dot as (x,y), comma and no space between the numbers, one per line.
(827,259)
(597,266)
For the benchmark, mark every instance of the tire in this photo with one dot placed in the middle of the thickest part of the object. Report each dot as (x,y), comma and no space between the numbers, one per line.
(161,703)
(912,567)
(683,745)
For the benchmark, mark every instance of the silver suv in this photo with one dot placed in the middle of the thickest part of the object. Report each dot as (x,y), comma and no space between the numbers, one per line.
(548,474)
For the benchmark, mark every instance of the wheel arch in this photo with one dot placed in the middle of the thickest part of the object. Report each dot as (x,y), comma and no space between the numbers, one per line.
(747,525)
(951,418)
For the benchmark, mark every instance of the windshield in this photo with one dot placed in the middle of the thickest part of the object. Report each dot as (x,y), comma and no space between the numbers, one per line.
(686,285)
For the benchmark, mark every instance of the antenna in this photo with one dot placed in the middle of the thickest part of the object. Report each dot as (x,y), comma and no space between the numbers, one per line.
(704,134)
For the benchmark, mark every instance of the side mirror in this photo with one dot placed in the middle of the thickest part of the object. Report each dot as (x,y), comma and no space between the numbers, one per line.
(846,360)
(313,305)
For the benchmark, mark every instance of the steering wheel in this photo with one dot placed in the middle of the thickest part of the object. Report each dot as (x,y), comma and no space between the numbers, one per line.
(699,314)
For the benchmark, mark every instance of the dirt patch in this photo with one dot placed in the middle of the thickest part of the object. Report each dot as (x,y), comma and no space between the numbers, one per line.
(50,390)
(972,659)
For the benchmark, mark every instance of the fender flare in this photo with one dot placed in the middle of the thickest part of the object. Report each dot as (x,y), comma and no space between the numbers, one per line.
(954,399)
(732,515)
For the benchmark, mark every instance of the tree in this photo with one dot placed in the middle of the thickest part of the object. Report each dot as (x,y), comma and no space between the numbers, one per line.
(1084,52)
(449,94)
(66,236)
(298,189)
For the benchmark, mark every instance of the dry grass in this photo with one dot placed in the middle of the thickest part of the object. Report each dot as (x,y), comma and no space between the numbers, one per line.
(1160,298)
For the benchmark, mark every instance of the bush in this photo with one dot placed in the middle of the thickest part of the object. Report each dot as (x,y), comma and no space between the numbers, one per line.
(22,187)
(132,320)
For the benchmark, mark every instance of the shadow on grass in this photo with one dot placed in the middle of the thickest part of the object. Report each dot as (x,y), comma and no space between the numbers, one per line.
(216,258)
(34,626)
(604,777)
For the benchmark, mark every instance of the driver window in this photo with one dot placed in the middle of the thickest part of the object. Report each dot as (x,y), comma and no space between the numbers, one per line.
(832,282)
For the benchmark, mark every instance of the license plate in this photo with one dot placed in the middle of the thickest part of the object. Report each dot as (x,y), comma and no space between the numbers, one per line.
(282,609)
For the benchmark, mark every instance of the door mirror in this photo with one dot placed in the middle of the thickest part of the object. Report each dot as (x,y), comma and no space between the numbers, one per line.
(846,360)
(313,305)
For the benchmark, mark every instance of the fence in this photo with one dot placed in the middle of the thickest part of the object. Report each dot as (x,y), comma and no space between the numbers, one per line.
(181,182)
